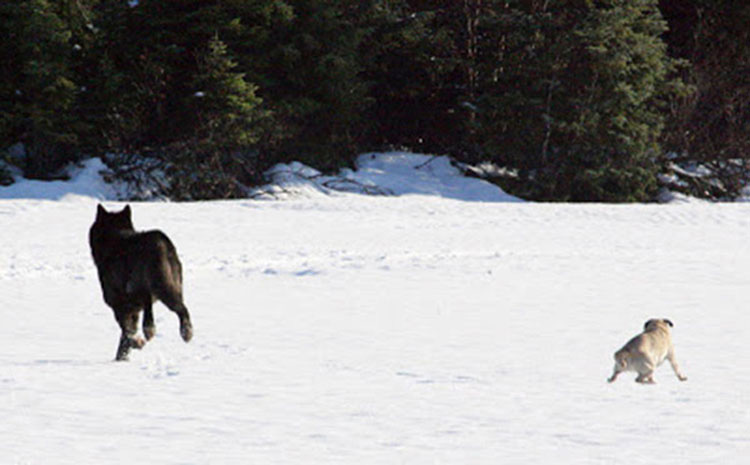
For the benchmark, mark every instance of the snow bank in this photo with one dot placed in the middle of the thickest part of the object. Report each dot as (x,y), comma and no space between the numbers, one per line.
(394,173)
(383,174)
(673,197)
(85,182)
(405,174)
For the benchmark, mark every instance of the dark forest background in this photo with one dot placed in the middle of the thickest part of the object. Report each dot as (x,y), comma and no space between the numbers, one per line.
(581,100)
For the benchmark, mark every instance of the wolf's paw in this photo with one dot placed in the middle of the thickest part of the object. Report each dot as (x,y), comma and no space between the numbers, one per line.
(149,332)
(122,351)
(127,343)
(137,342)
(186,331)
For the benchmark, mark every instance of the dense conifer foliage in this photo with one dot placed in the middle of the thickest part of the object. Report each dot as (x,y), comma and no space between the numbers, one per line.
(582,100)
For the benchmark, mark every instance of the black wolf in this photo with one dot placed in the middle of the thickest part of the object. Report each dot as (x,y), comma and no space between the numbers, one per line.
(136,269)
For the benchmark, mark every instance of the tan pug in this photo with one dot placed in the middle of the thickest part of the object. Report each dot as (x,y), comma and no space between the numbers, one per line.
(647,351)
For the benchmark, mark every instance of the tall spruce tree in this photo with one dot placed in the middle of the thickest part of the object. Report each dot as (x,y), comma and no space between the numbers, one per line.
(39,88)
(224,104)
(712,124)
(302,55)
(618,117)
(416,59)
(313,85)
(169,86)
(10,69)
(218,156)
(582,87)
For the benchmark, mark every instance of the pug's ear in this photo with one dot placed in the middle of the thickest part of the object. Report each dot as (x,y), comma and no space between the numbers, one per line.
(645,325)
(671,325)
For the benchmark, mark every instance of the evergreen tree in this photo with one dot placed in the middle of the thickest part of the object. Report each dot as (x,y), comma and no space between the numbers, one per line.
(520,68)
(588,83)
(10,69)
(712,125)
(111,105)
(614,134)
(224,103)
(302,55)
(39,88)
(214,160)
(312,82)
(416,60)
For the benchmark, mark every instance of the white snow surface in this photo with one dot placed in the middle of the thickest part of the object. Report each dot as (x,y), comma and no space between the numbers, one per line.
(85,182)
(394,173)
(359,329)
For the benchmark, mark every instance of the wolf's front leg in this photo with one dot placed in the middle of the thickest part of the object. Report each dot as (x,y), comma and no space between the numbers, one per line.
(127,342)
(128,339)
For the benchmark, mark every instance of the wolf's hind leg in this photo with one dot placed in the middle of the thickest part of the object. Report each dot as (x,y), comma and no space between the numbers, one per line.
(173,301)
(149,328)
(170,293)
(186,327)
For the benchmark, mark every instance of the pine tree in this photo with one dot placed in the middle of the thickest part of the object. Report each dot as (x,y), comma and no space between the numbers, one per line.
(213,162)
(618,119)
(10,69)
(417,59)
(582,89)
(110,105)
(177,81)
(519,65)
(311,80)
(712,124)
(225,104)
(149,57)
(39,89)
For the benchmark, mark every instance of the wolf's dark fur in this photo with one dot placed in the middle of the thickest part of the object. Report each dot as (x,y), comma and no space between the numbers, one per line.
(136,269)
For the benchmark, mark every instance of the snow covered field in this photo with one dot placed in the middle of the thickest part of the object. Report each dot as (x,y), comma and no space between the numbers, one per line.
(344,328)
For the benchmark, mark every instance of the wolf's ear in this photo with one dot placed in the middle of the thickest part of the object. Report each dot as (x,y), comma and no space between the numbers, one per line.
(671,325)
(127,211)
(100,211)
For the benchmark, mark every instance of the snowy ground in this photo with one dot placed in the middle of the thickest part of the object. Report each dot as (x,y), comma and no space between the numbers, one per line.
(343,328)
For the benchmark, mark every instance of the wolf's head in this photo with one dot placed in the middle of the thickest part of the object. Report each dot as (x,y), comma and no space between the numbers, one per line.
(107,229)
(113,221)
